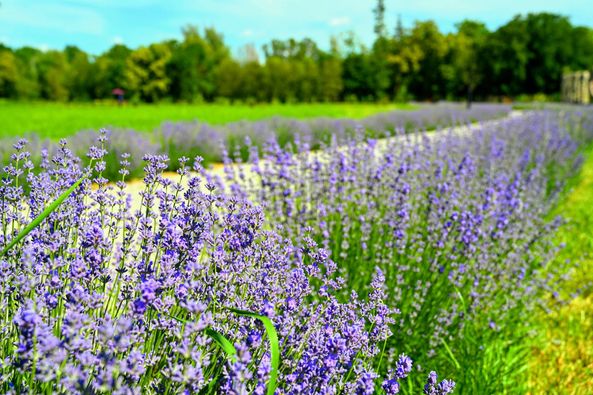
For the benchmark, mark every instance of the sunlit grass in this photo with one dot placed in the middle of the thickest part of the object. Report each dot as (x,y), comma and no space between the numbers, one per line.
(562,362)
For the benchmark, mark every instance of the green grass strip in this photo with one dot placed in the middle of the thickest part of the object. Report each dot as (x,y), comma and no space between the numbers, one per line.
(274,346)
(44,214)
(457,365)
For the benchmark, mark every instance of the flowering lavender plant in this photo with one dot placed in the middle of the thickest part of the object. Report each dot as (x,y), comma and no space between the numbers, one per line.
(188,139)
(100,298)
(456,221)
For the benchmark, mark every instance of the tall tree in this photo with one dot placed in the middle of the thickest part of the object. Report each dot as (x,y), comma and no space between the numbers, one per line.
(581,43)
(548,50)
(193,64)
(379,80)
(507,54)
(146,72)
(429,45)
(379,11)
(27,60)
(52,70)
(229,78)
(403,60)
(9,75)
(466,57)
(330,73)
(79,79)
(109,71)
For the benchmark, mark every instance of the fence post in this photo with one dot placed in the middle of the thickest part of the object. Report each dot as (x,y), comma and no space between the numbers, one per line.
(585,87)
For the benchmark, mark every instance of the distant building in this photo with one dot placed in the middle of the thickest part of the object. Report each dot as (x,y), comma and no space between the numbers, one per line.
(577,87)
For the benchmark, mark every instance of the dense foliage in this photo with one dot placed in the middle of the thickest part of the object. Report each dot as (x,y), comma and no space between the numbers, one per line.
(527,55)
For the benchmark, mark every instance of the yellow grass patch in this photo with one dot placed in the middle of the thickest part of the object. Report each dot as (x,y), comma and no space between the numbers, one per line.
(562,361)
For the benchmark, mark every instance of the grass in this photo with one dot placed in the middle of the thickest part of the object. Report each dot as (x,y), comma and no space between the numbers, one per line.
(562,362)
(57,120)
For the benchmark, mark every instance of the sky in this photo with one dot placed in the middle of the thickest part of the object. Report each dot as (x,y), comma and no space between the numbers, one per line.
(95,25)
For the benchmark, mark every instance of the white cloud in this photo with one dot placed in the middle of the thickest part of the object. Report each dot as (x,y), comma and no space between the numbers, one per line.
(118,40)
(339,21)
(247,33)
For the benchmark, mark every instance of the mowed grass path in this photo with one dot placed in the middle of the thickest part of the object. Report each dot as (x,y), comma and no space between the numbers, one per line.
(56,120)
(563,359)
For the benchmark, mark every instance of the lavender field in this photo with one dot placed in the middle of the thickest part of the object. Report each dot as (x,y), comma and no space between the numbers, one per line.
(328,257)
(191,138)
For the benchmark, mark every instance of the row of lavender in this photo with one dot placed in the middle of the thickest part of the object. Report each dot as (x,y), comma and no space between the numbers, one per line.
(179,139)
(101,298)
(455,222)
(370,258)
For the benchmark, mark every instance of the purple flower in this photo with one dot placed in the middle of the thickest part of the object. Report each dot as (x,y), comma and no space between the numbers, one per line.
(403,366)
(432,387)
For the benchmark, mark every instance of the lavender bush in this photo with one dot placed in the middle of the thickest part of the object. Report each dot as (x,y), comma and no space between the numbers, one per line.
(378,261)
(100,298)
(191,138)
(455,221)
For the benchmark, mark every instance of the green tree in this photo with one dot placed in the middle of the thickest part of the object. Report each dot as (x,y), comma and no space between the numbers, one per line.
(277,75)
(193,64)
(9,75)
(466,58)
(253,86)
(379,11)
(229,79)
(52,70)
(581,43)
(549,51)
(403,60)
(79,80)
(291,70)
(109,71)
(379,77)
(507,53)
(429,47)
(27,59)
(356,70)
(146,72)
(330,79)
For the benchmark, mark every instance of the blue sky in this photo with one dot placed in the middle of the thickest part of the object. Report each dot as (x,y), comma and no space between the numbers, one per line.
(95,25)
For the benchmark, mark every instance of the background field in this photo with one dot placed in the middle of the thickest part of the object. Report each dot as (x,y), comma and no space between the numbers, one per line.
(56,120)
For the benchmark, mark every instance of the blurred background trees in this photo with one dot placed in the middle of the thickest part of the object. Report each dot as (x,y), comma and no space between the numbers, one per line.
(527,55)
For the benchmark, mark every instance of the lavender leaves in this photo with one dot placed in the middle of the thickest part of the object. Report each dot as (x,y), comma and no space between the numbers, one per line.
(43,215)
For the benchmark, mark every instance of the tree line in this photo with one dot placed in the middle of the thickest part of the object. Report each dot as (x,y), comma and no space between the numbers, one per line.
(527,55)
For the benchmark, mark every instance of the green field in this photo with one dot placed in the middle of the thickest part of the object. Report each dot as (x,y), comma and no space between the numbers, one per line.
(56,120)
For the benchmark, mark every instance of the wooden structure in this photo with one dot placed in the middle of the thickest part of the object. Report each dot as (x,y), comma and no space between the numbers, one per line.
(577,87)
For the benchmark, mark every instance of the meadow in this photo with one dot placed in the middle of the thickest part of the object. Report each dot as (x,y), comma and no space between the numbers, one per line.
(328,256)
(56,120)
